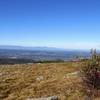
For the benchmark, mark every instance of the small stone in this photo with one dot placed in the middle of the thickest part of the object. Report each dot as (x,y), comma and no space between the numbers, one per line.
(54,98)
(39,78)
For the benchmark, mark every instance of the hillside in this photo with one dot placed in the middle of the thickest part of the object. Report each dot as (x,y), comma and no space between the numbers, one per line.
(21,81)
(24,81)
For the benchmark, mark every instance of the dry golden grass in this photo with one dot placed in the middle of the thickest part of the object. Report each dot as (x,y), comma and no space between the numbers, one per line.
(22,81)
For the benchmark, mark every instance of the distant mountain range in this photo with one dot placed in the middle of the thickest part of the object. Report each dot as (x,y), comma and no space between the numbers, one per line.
(28,48)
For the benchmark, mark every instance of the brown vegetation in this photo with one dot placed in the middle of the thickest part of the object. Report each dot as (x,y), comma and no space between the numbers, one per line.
(23,81)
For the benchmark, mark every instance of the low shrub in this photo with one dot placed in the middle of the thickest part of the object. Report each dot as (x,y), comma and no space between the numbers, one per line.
(91,74)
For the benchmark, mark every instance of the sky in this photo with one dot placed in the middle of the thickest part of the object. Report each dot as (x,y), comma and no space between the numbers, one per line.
(71,24)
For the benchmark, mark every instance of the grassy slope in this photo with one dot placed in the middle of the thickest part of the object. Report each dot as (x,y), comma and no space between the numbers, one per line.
(18,82)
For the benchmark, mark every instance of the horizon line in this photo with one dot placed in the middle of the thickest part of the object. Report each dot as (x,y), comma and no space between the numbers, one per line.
(64,48)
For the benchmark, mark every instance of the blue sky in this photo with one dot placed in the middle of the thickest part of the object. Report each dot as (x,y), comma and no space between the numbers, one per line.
(73,24)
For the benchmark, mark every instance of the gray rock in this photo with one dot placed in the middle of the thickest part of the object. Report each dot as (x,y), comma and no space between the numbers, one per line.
(47,98)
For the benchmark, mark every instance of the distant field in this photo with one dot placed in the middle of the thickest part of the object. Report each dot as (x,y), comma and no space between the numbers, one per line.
(11,56)
(5,61)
